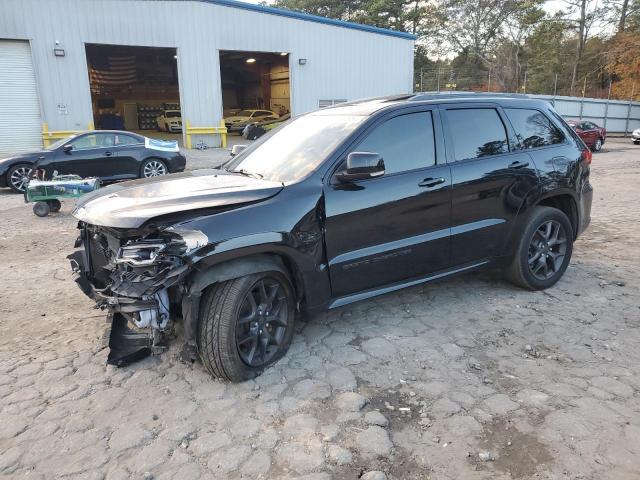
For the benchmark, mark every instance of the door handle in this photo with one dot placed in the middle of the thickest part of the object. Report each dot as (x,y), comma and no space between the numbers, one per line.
(431,182)
(518,164)
(108,154)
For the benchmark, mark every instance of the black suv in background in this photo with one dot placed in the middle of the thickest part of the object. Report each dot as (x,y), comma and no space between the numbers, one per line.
(333,207)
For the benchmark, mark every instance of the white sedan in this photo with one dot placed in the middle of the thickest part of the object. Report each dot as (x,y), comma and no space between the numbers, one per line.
(170,121)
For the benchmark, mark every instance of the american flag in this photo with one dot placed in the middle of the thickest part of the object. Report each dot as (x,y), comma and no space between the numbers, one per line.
(113,71)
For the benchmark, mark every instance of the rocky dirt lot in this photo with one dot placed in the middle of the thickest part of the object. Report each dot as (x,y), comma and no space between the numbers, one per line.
(469,378)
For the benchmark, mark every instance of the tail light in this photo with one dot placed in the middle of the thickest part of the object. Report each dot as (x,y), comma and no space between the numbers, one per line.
(587,155)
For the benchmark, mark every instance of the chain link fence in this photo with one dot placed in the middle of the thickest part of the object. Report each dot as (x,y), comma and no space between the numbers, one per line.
(593,97)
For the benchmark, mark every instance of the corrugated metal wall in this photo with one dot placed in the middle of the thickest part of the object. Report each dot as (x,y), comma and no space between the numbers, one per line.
(617,116)
(20,127)
(341,62)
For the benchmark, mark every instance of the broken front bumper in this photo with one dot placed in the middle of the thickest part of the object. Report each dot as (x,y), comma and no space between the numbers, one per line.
(136,324)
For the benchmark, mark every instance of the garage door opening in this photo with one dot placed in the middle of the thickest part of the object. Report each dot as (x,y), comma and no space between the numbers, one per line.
(135,89)
(255,87)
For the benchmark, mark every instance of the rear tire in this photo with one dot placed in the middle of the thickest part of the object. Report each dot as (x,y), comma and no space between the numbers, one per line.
(237,337)
(544,250)
(54,205)
(153,167)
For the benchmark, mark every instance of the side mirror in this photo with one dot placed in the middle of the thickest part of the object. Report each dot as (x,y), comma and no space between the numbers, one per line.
(237,149)
(362,166)
(67,148)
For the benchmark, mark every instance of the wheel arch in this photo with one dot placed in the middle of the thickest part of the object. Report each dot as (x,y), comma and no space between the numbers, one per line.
(564,200)
(153,157)
(228,270)
(247,265)
(566,203)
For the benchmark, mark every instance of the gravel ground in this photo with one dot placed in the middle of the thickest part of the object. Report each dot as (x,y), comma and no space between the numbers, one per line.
(469,378)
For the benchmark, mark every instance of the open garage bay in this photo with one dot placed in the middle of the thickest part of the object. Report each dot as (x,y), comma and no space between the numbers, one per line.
(471,377)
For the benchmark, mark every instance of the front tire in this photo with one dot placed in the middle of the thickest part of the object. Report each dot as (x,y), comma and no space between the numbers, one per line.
(245,325)
(18,176)
(598,145)
(544,250)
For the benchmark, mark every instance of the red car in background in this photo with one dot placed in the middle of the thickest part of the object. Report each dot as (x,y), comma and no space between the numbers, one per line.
(590,133)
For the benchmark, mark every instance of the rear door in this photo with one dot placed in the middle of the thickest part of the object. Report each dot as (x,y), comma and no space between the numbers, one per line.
(490,180)
(394,227)
(549,148)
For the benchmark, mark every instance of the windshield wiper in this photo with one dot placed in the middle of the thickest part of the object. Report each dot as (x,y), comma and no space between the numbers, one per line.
(246,173)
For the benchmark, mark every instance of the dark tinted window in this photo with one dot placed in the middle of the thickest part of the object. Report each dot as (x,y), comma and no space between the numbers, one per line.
(533,128)
(405,142)
(477,132)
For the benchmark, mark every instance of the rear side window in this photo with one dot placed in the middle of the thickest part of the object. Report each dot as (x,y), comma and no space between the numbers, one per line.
(533,128)
(477,132)
(126,140)
(405,142)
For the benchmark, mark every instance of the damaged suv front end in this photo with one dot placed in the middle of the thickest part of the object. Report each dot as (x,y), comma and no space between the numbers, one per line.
(224,257)
(134,260)
(131,276)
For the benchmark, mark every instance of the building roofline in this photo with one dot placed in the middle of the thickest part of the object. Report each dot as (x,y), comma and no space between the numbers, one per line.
(310,18)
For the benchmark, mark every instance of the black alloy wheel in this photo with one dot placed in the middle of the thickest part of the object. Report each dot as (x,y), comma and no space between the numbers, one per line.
(547,250)
(262,322)
(543,250)
(246,324)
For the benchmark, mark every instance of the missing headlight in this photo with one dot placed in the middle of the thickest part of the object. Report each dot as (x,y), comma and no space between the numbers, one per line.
(139,253)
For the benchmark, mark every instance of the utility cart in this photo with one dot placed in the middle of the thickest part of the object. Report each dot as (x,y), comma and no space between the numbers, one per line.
(46,194)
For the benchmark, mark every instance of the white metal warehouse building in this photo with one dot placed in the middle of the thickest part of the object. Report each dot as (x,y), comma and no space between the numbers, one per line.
(44,45)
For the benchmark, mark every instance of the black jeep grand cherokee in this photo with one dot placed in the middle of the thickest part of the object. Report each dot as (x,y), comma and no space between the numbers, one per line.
(333,207)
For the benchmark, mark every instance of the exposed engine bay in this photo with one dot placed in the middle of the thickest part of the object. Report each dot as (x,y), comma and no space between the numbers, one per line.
(135,276)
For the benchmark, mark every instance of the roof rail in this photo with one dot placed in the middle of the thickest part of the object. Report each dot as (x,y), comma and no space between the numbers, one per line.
(439,95)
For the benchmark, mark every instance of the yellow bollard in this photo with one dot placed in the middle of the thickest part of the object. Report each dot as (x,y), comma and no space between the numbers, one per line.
(45,134)
(188,135)
(223,134)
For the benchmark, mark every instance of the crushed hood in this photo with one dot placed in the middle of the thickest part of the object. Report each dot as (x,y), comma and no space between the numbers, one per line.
(131,204)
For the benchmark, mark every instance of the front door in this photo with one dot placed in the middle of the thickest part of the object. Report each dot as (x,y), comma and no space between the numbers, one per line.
(490,178)
(129,155)
(91,155)
(394,227)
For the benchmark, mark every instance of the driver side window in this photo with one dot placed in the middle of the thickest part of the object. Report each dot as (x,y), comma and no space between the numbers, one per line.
(405,142)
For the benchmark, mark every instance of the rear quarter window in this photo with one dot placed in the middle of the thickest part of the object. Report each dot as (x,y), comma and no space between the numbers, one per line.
(533,128)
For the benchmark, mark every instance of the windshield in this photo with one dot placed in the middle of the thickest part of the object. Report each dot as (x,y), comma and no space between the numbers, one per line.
(244,113)
(296,148)
(60,142)
(172,113)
